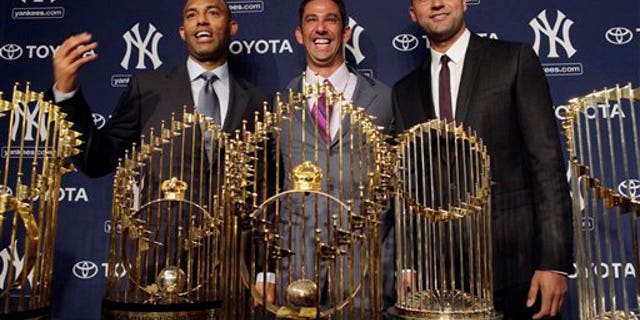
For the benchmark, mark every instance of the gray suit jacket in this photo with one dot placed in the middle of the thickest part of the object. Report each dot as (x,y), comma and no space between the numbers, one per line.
(375,98)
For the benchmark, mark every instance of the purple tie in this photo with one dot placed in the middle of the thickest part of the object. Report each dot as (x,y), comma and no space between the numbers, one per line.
(444,91)
(322,113)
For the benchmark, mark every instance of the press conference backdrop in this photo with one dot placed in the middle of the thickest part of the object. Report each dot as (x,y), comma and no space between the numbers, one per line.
(583,45)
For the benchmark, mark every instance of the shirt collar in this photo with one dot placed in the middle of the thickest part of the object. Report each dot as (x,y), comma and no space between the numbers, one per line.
(195,70)
(456,52)
(338,79)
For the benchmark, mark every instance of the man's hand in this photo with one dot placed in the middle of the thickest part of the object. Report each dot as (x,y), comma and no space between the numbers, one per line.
(270,293)
(74,52)
(553,288)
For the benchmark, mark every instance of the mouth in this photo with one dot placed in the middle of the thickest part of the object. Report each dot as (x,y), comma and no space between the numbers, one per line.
(439,16)
(321,42)
(203,36)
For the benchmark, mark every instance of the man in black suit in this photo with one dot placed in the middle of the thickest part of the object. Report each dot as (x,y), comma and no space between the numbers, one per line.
(499,89)
(151,97)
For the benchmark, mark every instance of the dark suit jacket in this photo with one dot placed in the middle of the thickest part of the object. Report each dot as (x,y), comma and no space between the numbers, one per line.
(150,98)
(504,96)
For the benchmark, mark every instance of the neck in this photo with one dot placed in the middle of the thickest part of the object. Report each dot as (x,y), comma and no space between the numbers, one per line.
(325,71)
(209,65)
(443,45)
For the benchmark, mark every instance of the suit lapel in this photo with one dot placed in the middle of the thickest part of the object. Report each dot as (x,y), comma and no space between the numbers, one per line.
(363,96)
(472,61)
(423,96)
(238,102)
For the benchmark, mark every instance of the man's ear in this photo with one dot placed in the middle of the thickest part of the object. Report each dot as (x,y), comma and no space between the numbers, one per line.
(299,36)
(181,32)
(346,34)
(233,28)
(412,14)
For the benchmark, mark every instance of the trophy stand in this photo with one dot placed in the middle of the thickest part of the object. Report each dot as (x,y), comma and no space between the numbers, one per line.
(171,203)
(38,141)
(443,225)
(314,231)
(604,162)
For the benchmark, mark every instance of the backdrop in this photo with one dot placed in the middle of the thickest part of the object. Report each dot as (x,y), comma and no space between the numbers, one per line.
(583,44)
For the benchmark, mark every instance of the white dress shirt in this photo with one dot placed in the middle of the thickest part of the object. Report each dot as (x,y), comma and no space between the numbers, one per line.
(221,86)
(456,53)
(343,82)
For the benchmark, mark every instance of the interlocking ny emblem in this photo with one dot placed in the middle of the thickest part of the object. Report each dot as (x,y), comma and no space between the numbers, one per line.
(24,115)
(146,48)
(540,25)
(354,47)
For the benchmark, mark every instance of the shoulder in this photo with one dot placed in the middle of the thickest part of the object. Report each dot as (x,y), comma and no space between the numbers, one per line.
(161,73)
(502,47)
(251,89)
(411,78)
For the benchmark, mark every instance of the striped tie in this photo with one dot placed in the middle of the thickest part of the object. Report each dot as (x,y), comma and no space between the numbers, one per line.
(322,113)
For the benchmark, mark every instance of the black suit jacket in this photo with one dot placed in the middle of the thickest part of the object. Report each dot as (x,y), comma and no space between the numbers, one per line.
(504,96)
(150,98)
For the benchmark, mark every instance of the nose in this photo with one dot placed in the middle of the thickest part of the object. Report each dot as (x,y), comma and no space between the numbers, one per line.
(321,27)
(202,19)
(437,3)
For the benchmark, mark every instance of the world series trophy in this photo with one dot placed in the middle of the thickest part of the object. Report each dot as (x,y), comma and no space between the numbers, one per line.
(172,195)
(443,224)
(38,139)
(313,234)
(604,160)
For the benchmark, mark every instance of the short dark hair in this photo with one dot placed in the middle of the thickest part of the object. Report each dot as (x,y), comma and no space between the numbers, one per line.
(341,6)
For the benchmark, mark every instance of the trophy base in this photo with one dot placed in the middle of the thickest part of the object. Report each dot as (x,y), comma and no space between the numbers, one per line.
(395,314)
(633,315)
(112,310)
(43,313)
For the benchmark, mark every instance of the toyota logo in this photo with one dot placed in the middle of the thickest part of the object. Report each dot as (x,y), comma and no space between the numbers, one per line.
(85,270)
(405,42)
(619,36)
(99,120)
(630,188)
(11,51)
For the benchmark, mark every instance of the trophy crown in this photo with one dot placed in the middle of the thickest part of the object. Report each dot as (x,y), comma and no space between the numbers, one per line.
(174,189)
(307,177)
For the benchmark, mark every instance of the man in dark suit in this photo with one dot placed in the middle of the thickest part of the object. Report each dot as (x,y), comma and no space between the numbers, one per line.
(499,89)
(152,97)
(323,31)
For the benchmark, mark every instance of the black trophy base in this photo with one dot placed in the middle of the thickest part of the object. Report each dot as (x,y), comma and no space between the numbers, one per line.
(112,310)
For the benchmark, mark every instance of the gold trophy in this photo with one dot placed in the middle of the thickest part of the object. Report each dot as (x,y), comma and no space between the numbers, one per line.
(38,139)
(602,140)
(313,232)
(173,195)
(443,225)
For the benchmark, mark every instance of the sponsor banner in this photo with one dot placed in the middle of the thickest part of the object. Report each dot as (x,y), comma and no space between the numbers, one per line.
(246,6)
(87,270)
(37,13)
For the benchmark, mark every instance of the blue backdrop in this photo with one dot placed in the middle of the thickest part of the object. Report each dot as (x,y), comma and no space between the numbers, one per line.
(584,45)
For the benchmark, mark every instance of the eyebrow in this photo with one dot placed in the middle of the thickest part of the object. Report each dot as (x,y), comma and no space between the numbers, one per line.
(211,6)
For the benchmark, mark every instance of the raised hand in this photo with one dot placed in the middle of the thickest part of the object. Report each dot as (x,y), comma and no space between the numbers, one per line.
(74,52)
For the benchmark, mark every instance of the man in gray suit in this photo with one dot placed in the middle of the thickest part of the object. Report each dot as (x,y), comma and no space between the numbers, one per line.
(152,97)
(323,31)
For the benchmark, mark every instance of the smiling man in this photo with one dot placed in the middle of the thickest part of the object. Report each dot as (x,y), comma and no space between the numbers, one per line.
(151,97)
(323,32)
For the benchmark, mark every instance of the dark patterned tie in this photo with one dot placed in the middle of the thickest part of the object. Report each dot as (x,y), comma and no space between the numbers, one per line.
(444,91)
(322,113)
